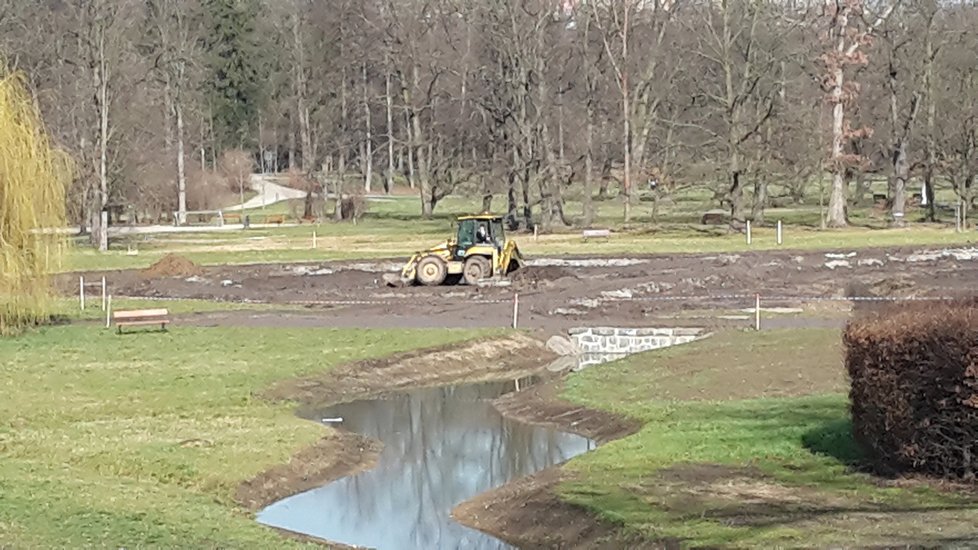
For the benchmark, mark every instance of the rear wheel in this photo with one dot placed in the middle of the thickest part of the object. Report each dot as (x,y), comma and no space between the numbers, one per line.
(476,269)
(431,271)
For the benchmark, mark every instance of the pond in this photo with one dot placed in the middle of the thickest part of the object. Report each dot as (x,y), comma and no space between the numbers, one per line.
(442,446)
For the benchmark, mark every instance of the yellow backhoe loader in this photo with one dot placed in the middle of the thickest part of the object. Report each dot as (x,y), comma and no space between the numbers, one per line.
(479,250)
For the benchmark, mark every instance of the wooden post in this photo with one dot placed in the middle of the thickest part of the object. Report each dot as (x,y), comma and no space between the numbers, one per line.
(103,294)
(780,233)
(81,292)
(516,310)
(536,234)
(757,312)
(749,236)
(108,312)
(957,217)
(314,239)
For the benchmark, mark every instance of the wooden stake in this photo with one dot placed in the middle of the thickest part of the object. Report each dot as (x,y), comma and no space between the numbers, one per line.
(314,240)
(749,236)
(516,310)
(81,292)
(103,294)
(108,312)
(757,312)
(780,233)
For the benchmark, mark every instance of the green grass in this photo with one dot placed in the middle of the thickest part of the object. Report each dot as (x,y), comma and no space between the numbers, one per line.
(755,462)
(69,308)
(377,239)
(393,228)
(91,426)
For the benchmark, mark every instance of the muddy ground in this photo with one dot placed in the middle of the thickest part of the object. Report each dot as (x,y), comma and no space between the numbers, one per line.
(556,294)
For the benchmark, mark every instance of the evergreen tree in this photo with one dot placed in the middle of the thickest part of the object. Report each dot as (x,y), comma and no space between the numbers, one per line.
(234,60)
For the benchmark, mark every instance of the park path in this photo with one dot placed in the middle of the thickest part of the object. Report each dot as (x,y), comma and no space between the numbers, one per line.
(269,193)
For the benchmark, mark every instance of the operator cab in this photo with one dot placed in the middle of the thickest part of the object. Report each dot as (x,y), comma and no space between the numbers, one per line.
(479,230)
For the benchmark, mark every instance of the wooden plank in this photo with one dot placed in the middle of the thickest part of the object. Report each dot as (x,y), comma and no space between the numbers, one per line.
(133,314)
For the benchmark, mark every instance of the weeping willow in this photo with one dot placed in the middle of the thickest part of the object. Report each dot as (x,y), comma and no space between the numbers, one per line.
(34,176)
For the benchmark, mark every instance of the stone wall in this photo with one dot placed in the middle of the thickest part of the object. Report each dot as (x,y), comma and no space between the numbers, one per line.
(607,341)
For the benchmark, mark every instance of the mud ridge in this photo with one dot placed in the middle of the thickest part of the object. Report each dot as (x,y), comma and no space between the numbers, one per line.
(527,513)
(483,360)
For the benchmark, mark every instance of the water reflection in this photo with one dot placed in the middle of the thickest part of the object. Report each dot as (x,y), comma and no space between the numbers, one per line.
(441,447)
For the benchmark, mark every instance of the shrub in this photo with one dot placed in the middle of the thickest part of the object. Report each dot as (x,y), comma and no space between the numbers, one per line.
(914,395)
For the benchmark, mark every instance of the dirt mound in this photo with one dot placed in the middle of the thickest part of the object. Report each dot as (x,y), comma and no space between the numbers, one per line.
(172,265)
(896,286)
(533,276)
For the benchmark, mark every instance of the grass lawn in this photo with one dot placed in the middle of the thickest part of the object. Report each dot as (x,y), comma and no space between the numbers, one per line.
(747,444)
(386,238)
(94,426)
(393,228)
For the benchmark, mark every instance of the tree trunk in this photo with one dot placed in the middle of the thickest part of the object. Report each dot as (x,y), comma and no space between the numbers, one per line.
(181,168)
(760,200)
(931,153)
(292,145)
(301,91)
(836,216)
(424,182)
(589,168)
(901,173)
(368,175)
(389,186)
(103,232)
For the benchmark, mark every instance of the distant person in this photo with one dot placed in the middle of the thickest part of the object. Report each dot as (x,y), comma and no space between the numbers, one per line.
(481,235)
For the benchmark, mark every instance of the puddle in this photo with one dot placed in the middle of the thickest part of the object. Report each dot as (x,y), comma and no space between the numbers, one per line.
(442,446)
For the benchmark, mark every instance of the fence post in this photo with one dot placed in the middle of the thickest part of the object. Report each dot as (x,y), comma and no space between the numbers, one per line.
(757,312)
(81,292)
(314,239)
(780,233)
(108,312)
(749,236)
(516,310)
(103,294)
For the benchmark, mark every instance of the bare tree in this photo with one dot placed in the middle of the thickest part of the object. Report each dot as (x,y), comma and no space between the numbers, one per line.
(848,38)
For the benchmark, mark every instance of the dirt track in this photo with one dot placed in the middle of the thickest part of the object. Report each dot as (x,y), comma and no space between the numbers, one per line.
(558,293)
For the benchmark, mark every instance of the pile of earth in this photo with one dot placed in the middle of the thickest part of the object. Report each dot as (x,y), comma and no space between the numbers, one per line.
(172,265)
(534,276)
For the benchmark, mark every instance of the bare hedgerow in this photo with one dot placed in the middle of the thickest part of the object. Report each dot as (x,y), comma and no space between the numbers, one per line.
(914,394)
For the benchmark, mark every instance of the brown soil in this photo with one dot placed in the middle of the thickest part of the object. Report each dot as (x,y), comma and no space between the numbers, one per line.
(541,405)
(492,359)
(555,298)
(339,455)
(172,265)
(529,515)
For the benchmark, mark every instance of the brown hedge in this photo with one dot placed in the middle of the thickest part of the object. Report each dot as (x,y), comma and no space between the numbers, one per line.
(914,395)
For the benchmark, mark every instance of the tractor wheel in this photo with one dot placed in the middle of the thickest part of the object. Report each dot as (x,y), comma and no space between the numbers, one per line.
(431,271)
(476,269)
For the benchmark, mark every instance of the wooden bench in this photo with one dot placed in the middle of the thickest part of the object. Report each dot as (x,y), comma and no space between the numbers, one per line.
(714,217)
(595,234)
(141,317)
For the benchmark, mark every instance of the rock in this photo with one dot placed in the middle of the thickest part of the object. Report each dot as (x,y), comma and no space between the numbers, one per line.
(838,263)
(563,346)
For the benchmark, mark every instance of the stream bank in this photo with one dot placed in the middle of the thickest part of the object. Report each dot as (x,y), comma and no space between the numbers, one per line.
(343,454)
